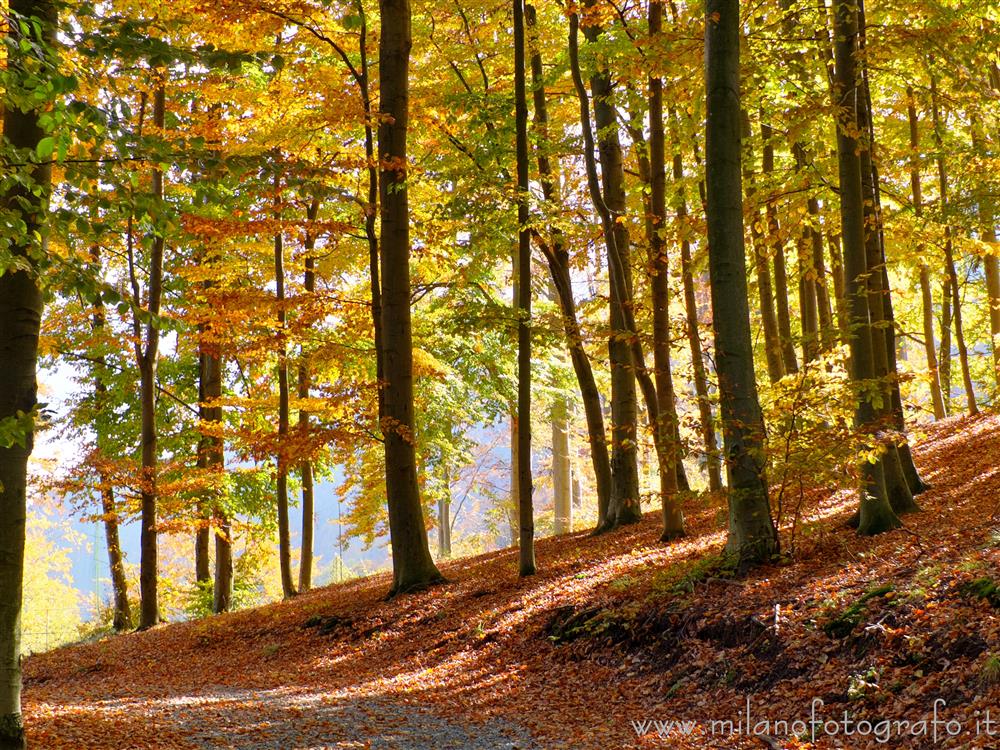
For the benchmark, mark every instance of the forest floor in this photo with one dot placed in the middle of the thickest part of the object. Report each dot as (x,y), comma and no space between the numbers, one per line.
(614,633)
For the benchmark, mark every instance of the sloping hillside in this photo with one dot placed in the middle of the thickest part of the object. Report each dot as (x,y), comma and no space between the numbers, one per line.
(614,633)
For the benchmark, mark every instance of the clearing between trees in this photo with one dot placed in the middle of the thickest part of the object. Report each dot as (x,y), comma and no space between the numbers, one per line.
(614,633)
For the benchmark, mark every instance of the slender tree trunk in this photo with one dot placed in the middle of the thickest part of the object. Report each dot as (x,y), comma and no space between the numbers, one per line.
(827,323)
(934,382)
(833,241)
(609,201)
(284,534)
(562,506)
(412,564)
(875,281)
(876,514)
(149,614)
(706,419)
(778,252)
(526,511)
(987,205)
(944,356)
(666,424)
(372,206)
(444,515)
(901,475)
(213,450)
(304,385)
(20,320)
(949,260)
(812,293)
(765,292)
(817,329)
(202,537)
(558,261)
(122,618)
(752,534)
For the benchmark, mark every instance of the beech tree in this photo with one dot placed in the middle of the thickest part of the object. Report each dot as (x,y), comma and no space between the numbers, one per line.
(412,566)
(752,535)
(24,203)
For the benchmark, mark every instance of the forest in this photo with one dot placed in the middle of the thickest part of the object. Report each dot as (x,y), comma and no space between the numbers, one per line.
(645,355)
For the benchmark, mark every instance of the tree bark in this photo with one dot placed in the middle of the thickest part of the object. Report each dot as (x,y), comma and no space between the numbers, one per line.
(666,424)
(562,506)
(558,261)
(149,614)
(944,355)
(952,284)
(902,478)
(444,515)
(609,201)
(304,384)
(122,617)
(281,484)
(752,534)
(412,565)
(812,293)
(202,537)
(875,514)
(526,510)
(765,291)
(778,252)
(875,280)
(986,203)
(20,320)
(934,382)
(214,452)
(706,419)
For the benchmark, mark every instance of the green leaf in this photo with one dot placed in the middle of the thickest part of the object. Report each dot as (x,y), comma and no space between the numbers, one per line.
(46,147)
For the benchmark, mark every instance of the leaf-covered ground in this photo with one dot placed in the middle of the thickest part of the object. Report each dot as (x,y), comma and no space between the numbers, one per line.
(614,633)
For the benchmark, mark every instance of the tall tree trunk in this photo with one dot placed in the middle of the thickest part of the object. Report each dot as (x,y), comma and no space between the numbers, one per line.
(934,382)
(901,475)
(284,534)
(666,424)
(778,252)
(20,320)
(833,241)
(944,355)
(213,450)
(371,207)
(122,617)
(526,511)
(562,506)
(609,201)
(304,384)
(987,207)
(875,514)
(949,259)
(827,323)
(814,302)
(211,447)
(752,534)
(812,294)
(149,610)
(558,261)
(883,335)
(444,515)
(412,565)
(707,422)
(202,537)
(765,292)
